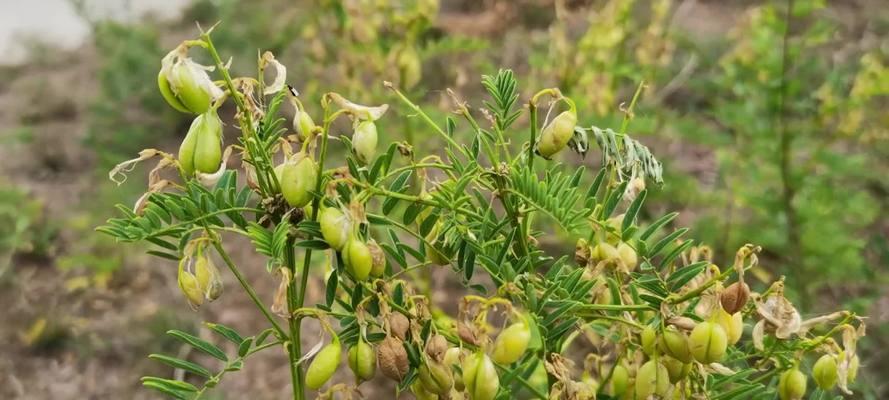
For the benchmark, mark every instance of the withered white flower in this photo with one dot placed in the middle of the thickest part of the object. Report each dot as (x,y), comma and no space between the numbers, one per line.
(268,59)
(368,113)
(187,79)
(209,180)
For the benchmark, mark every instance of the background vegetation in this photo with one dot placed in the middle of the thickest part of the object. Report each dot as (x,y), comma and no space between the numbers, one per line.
(771,126)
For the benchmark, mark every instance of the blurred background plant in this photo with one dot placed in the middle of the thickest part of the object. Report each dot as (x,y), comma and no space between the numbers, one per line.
(771,126)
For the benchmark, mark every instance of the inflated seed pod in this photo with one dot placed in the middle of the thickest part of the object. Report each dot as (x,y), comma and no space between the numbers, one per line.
(399,325)
(555,136)
(732,324)
(201,150)
(364,141)
(303,124)
(185,86)
(628,255)
(675,344)
(708,342)
(792,385)
(734,297)
(620,380)
(190,287)
(436,378)
(604,251)
(434,252)
(209,279)
(378,266)
(677,369)
(451,359)
(297,180)
(420,391)
(357,257)
(324,365)
(648,337)
(409,67)
(393,358)
(335,227)
(436,346)
(363,360)
(511,343)
(824,372)
(652,379)
(480,377)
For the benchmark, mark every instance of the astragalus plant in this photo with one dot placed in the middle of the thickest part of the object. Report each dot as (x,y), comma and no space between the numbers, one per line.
(636,312)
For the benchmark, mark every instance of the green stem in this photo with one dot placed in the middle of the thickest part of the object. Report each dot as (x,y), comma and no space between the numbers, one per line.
(294,349)
(428,120)
(297,301)
(249,289)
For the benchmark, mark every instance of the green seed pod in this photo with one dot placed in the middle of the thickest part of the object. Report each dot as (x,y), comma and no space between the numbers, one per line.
(324,365)
(420,391)
(630,392)
(675,344)
(201,150)
(708,342)
(677,369)
(335,227)
(190,287)
(185,85)
(604,251)
(824,372)
(792,385)
(303,124)
(652,379)
(164,85)
(378,266)
(209,279)
(409,67)
(555,136)
(451,359)
(511,343)
(436,378)
(363,360)
(620,380)
(298,179)
(358,258)
(435,255)
(480,377)
(648,339)
(628,255)
(732,324)
(364,141)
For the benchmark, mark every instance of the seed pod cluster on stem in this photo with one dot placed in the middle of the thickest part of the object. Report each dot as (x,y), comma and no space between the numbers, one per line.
(652,307)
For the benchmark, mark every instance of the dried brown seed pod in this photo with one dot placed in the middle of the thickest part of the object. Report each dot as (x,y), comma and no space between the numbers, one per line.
(393,358)
(467,334)
(399,325)
(734,297)
(378,267)
(436,346)
(582,252)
